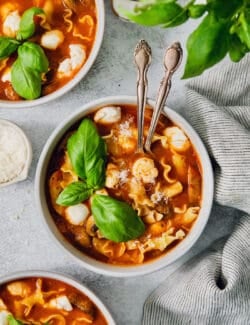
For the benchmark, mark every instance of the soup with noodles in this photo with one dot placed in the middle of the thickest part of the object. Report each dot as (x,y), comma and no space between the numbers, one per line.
(146,203)
(65,32)
(46,301)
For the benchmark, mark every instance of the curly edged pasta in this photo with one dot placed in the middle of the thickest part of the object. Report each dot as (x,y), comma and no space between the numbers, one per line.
(164,188)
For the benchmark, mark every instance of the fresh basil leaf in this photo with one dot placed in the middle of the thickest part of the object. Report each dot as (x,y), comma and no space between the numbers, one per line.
(222,9)
(177,20)
(74,193)
(242,27)
(196,11)
(85,148)
(25,81)
(7,46)
(159,13)
(96,176)
(206,46)
(116,220)
(237,50)
(33,56)
(13,321)
(27,24)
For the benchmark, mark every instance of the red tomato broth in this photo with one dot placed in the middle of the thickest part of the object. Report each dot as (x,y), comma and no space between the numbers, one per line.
(40,312)
(55,57)
(123,194)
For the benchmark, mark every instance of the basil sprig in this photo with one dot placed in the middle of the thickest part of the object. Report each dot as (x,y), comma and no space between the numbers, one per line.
(31,60)
(116,220)
(224,29)
(87,152)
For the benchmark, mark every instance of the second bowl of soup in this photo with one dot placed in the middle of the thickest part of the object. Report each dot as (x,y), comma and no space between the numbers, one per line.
(47,47)
(40,297)
(118,211)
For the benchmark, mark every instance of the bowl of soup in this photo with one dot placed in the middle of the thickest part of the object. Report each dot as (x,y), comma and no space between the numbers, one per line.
(39,297)
(46,48)
(118,211)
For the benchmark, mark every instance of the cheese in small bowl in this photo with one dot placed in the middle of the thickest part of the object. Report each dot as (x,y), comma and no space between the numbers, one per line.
(15,153)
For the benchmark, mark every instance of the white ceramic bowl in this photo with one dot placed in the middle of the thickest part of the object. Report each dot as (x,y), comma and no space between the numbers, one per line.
(108,269)
(19,133)
(77,78)
(63,278)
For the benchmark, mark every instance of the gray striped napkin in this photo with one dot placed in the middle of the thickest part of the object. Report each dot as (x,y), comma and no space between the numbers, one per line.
(214,287)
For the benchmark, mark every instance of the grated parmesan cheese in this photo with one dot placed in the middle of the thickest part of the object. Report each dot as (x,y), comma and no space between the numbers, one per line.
(15,153)
(123,176)
(124,129)
(157,197)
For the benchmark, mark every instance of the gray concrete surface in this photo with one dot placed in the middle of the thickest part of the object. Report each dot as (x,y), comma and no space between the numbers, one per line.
(24,243)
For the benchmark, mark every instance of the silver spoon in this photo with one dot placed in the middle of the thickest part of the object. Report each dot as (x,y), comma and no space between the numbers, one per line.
(142,58)
(172,60)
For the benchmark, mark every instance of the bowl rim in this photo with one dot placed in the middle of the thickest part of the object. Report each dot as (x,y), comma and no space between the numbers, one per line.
(77,78)
(66,279)
(110,269)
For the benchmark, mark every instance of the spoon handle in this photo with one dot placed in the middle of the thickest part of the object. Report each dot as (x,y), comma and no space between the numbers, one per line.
(142,60)
(172,61)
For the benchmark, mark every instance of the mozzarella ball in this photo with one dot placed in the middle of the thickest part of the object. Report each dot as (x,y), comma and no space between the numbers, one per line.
(108,115)
(75,61)
(76,214)
(11,24)
(52,39)
(77,55)
(61,302)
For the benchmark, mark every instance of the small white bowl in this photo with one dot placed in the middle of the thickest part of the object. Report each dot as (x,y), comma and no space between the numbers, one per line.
(63,278)
(78,77)
(166,259)
(28,152)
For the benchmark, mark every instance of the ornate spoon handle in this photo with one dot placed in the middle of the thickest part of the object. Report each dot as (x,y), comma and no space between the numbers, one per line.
(142,60)
(172,60)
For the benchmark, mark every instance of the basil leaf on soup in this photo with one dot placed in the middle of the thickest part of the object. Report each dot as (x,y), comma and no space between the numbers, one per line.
(27,24)
(116,220)
(13,321)
(96,175)
(8,46)
(25,81)
(33,56)
(86,148)
(74,193)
